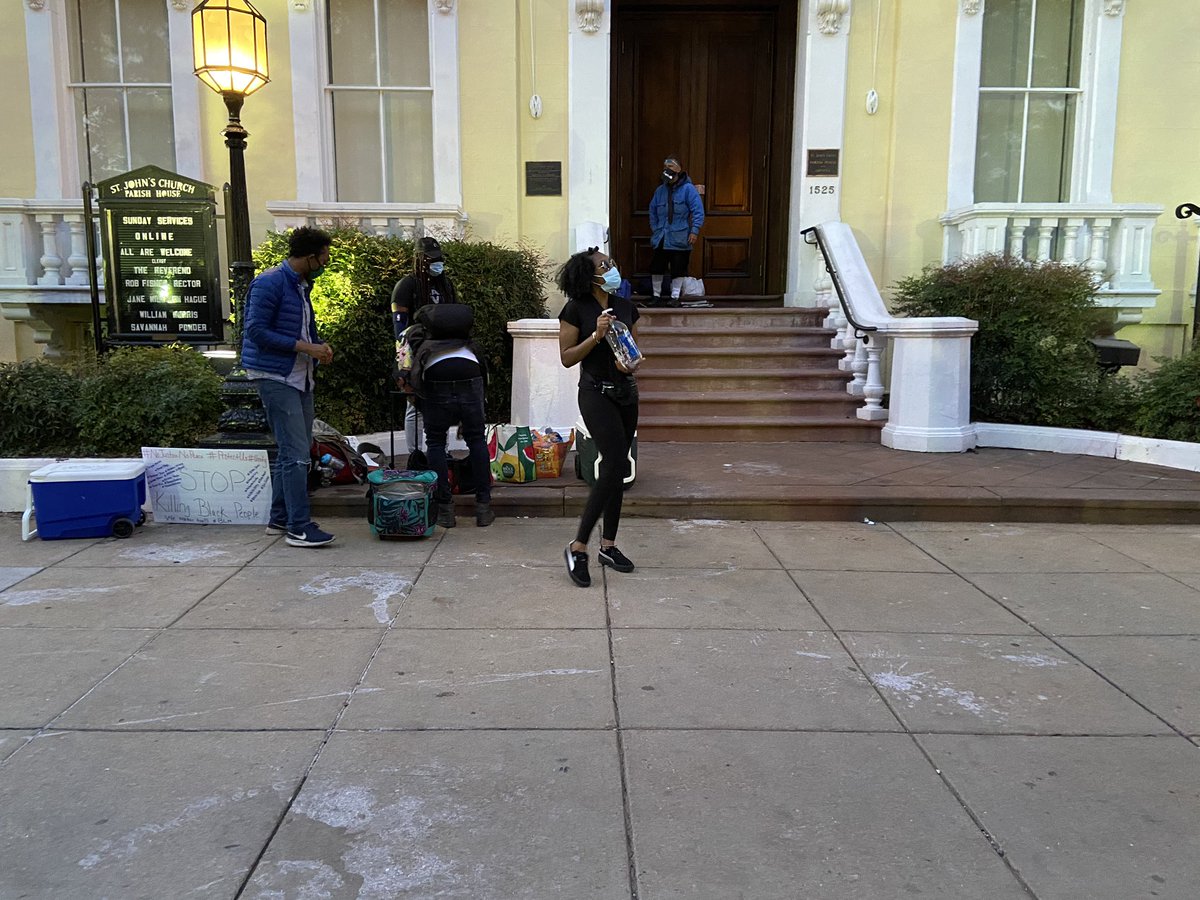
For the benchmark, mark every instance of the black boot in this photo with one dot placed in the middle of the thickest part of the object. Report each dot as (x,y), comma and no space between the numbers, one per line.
(484,515)
(445,516)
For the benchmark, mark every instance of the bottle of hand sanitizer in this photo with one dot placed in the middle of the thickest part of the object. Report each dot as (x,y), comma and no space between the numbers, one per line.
(624,347)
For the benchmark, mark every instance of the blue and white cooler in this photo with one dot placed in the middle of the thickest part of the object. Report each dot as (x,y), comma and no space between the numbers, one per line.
(85,499)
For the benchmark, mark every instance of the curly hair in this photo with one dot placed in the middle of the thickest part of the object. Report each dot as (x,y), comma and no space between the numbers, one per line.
(306,241)
(575,276)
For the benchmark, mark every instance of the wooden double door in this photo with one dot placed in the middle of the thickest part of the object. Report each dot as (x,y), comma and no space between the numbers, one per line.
(710,84)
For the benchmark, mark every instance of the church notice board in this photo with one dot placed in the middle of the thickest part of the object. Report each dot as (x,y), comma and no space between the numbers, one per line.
(208,487)
(162,278)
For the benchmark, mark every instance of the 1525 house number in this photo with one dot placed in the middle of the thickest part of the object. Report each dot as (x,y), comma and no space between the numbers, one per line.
(822,189)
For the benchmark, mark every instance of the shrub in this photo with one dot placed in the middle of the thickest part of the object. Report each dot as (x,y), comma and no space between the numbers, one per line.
(138,397)
(38,400)
(1031,362)
(352,305)
(1170,400)
(128,399)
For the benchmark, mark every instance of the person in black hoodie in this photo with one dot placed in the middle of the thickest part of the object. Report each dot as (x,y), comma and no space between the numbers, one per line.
(428,284)
(449,376)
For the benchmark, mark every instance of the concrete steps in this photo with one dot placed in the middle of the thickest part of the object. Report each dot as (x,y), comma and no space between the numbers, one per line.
(744,374)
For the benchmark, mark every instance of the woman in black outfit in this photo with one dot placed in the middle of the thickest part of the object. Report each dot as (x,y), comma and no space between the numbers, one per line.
(608,398)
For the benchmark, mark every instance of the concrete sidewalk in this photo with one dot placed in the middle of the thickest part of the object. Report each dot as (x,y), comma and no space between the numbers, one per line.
(762,710)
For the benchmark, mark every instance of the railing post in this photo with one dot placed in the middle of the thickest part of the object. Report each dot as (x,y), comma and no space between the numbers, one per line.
(1098,255)
(1046,228)
(858,365)
(77,259)
(50,261)
(873,410)
(1016,237)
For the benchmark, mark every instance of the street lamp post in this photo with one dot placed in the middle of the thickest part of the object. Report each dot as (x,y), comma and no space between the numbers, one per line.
(229,49)
(1184,211)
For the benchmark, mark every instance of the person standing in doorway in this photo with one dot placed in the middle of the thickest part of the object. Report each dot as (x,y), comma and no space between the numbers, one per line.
(429,283)
(608,398)
(280,352)
(676,215)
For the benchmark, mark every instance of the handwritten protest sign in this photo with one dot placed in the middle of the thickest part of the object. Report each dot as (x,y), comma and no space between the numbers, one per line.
(208,487)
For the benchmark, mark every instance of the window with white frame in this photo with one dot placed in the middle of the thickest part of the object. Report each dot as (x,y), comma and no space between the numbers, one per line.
(1029,96)
(121,85)
(380,99)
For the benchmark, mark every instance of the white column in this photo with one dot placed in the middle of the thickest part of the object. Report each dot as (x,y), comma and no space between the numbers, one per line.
(588,42)
(185,93)
(313,180)
(1096,122)
(964,106)
(930,407)
(447,147)
(55,161)
(543,392)
(823,46)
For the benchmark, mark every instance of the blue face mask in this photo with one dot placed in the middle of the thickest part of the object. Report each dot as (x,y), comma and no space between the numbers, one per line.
(436,268)
(611,280)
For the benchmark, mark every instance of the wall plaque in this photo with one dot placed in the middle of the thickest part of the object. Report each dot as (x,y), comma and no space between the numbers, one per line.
(823,163)
(162,279)
(543,179)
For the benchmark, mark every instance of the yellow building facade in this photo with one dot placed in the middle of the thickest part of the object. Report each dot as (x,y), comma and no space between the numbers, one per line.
(934,128)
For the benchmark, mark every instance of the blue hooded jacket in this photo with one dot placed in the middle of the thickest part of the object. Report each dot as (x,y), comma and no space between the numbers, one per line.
(275,311)
(675,212)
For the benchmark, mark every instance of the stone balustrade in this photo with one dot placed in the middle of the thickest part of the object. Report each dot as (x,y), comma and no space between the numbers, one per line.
(929,402)
(405,220)
(1113,241)
(44,271)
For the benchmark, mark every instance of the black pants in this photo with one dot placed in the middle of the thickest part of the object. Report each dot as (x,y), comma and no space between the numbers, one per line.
(611,427)
(447,403)
(674,260)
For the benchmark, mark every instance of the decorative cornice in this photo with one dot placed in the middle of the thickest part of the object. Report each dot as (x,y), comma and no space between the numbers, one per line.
(300,5)
(971,7)
(830,14)
(180,5)
(445,6)
(1114,7)
(589,12)
(35,5)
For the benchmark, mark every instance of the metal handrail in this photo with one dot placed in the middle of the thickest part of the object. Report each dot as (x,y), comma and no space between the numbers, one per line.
(861,332)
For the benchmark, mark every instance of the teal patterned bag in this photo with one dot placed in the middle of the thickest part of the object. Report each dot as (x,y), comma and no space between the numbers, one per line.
(400,503)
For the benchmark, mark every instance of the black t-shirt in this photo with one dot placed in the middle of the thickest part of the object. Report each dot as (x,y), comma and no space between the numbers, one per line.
(407,293)
(600,362)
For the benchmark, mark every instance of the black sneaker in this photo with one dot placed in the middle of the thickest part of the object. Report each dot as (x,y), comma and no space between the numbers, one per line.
(277,528)
(614,559)
(577,566)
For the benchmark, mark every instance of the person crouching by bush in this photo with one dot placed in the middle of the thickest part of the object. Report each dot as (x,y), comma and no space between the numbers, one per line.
(449,377)
(608,398)
(280,352)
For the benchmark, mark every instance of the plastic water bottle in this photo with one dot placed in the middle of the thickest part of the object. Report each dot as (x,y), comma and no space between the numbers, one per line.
(624,347)
(332,462)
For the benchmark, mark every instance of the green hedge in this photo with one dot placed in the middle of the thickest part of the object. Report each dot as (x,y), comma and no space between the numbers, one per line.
(1031,362)
(130,398)
(352,305)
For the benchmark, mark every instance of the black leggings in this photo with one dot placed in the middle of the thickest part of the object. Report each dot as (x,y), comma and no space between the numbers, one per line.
(611,427)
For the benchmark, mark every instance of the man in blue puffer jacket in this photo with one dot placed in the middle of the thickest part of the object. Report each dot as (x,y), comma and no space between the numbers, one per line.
(676,214)
(280,352)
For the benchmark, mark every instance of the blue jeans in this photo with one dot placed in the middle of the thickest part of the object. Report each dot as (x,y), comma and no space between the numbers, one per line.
(447,403)
(290,415)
